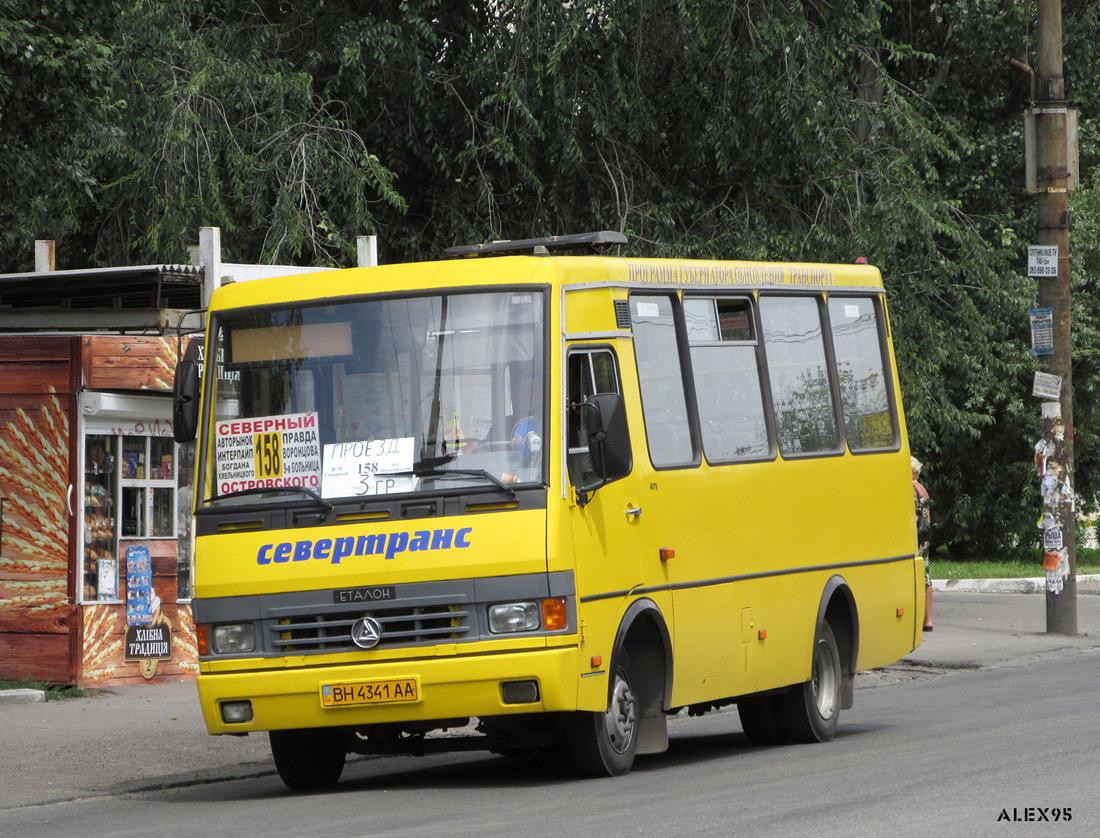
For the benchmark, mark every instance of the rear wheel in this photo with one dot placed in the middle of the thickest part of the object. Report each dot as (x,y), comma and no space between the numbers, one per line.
(813,707)
(307,760)
(762,719)
(604,744)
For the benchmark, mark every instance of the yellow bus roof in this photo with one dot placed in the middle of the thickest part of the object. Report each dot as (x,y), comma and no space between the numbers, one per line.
(565,271)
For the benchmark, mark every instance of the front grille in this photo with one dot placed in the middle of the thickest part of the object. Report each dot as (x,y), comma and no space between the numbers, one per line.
(403,626)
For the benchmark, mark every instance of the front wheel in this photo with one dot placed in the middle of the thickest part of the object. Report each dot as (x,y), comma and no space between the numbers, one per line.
(604,744)
(813,707)
(307,760)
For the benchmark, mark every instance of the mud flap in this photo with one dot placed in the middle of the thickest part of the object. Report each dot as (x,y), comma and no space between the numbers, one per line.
(847,691)
(653,731)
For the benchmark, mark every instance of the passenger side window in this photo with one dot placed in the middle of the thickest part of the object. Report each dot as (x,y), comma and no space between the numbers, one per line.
(591,371)
(869,418)
(723,343)
(661,379)
(802,391)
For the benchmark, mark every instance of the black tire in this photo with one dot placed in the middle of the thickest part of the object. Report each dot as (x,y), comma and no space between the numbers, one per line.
(762,719)
(813,707)
(604,744)
(307,760)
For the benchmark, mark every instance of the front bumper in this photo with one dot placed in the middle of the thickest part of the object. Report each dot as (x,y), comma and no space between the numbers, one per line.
(449,688)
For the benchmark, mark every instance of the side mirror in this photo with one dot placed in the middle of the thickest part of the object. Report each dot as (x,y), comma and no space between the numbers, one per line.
(608,438)
(185,401)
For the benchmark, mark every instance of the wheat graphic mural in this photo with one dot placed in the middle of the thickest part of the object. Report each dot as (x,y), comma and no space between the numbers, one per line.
(34,479)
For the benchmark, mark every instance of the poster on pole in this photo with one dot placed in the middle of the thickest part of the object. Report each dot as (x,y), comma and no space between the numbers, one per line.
(1042,330)
(1047,386)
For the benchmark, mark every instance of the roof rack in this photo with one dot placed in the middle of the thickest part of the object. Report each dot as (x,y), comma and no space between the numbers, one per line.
(597,243)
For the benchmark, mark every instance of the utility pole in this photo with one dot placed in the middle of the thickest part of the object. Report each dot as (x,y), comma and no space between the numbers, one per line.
(1052,182)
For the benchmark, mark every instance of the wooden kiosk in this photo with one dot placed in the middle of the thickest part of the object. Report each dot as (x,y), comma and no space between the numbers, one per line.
(93,587)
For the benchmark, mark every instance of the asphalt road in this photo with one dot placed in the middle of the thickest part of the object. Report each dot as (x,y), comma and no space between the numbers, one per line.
(975,752)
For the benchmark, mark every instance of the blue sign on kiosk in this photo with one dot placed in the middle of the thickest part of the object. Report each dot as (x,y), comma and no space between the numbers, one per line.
(139,587)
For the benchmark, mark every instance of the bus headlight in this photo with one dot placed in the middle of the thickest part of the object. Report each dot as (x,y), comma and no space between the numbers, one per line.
(513,616)
(234,638)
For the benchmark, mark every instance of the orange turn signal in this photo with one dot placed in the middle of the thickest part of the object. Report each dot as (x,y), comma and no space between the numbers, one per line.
(667,553)
(762,634)
(202,639)
(597,661)
(553,614)
(901,612)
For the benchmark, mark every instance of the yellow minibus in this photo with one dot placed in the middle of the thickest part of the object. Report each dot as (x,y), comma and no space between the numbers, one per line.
(542,497)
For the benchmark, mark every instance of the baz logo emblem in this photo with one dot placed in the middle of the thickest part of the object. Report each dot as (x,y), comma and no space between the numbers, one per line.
(366,632)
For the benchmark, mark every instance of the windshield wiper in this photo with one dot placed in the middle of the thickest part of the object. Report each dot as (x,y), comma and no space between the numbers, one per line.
(423,469)
(281,490)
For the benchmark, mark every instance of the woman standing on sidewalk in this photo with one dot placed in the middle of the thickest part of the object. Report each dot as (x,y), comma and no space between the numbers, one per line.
(924,536)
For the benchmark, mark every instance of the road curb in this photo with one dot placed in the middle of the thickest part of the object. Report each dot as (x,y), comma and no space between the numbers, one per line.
(21,696)
(991,586)
(1005,586)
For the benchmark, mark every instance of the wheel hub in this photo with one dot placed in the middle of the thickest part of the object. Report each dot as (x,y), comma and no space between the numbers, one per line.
(824,682)
(620,718)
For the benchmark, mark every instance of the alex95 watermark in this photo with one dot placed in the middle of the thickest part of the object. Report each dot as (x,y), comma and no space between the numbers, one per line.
(1036,814)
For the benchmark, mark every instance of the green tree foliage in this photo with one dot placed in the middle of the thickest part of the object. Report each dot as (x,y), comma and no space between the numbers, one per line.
(1083,75)
(242,137)
(758,129)
(54,72)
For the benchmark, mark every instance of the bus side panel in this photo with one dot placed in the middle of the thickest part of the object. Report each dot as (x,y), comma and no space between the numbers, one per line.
(886,635)
(710,658)
(599,622)
(755,545)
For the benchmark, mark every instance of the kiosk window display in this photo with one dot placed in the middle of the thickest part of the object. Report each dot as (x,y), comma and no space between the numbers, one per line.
(129,493)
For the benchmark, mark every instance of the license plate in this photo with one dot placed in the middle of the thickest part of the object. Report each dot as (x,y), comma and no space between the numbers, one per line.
(355,693)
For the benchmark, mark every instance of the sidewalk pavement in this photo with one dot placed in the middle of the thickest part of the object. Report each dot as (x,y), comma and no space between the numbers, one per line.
(128,739)
(973,630)
(116,740)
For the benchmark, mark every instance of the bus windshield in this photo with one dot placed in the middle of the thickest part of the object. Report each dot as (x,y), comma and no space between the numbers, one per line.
(379,396)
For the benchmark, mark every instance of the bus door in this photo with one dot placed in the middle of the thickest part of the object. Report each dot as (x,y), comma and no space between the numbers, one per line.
(618,557)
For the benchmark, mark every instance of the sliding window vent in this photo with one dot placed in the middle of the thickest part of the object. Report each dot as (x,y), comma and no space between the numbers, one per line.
(622,314)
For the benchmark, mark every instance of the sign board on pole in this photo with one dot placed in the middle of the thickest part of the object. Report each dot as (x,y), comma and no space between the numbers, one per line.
(1042,261)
